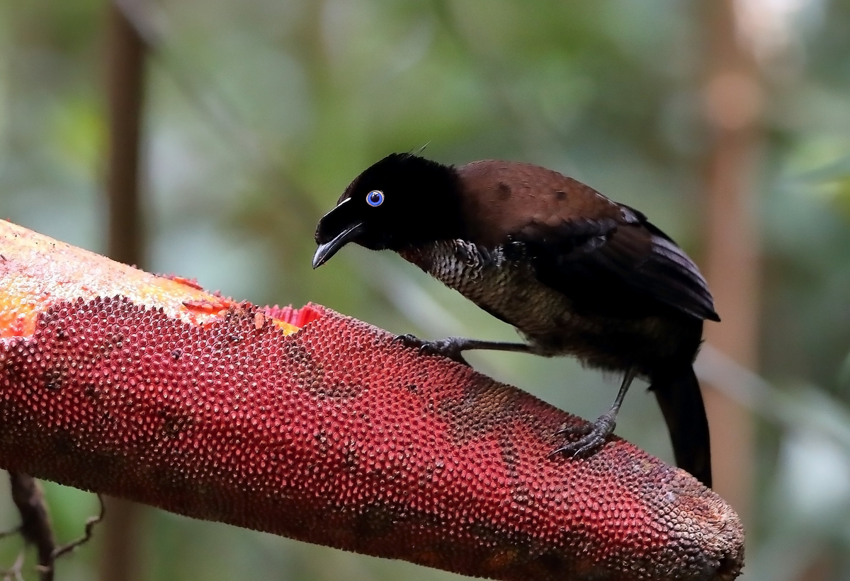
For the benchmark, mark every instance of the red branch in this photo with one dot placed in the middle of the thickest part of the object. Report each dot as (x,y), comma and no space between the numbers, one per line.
(334,434)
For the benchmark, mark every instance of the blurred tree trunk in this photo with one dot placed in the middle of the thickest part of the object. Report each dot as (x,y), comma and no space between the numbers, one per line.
(122,533)
(732,97)
(125,91)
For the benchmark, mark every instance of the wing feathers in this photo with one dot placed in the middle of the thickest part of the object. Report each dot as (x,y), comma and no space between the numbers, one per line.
(604,255)
(624,268)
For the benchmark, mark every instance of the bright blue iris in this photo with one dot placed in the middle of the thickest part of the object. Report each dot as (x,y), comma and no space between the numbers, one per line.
(375,198)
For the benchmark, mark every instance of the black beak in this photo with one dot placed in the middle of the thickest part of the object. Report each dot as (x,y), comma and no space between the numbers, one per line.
(325,251)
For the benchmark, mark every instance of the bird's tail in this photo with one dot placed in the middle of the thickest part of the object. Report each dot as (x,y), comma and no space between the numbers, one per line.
(679,396)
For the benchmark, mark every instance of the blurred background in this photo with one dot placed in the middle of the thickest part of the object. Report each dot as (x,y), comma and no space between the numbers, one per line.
(726,121)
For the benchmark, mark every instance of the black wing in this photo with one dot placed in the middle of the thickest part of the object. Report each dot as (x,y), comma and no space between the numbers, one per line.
(625,268)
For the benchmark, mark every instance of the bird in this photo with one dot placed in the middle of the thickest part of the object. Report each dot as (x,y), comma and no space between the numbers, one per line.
(574,272)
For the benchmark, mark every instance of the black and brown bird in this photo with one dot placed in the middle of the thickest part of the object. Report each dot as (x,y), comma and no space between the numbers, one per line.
(574,272)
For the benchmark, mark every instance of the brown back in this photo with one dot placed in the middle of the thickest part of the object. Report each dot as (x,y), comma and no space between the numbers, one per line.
(503,198)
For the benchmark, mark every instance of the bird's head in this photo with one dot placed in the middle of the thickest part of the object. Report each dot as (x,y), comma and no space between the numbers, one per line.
(400,201)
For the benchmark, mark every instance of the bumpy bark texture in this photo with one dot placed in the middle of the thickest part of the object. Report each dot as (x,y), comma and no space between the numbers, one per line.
(147,388)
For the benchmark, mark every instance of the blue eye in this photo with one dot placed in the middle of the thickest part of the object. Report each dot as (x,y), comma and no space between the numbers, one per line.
(375,198)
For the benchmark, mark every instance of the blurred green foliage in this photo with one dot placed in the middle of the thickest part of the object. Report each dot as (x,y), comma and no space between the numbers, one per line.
(260,112)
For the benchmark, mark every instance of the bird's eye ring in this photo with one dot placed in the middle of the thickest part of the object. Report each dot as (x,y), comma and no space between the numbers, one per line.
(375,198)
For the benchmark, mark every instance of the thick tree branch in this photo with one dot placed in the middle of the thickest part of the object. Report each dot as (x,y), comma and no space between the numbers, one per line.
(147,388)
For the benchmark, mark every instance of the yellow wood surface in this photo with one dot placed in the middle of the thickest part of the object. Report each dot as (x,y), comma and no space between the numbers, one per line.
(37,272)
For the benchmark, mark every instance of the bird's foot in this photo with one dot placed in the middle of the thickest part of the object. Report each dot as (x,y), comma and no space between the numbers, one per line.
(592,436)
(450,347)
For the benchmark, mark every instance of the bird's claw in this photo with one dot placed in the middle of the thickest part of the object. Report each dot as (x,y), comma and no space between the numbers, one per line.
(444,347)
(592,437)
(408,340)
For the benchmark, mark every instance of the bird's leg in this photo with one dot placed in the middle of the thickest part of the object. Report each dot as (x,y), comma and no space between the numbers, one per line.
(593,435)
(452,347)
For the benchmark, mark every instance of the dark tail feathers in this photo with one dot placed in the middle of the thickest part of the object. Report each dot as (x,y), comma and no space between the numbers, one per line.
(681,403)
